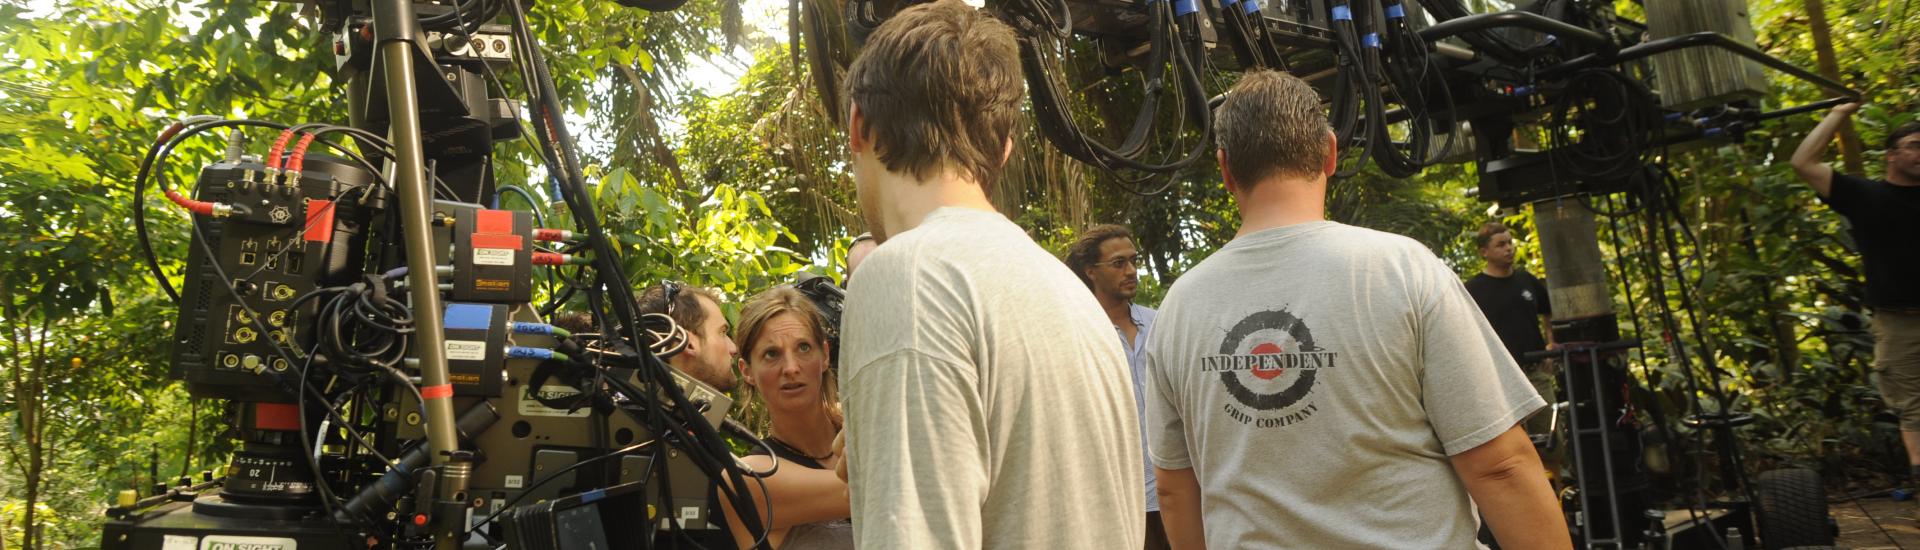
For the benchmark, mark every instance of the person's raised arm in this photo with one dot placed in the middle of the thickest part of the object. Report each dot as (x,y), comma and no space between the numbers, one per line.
(1505,478)
(1809,159)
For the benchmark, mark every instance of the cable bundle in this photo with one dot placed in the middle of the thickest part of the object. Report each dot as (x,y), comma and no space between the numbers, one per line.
(1410,70)
(661,404)
(1618,123)
(1174,43)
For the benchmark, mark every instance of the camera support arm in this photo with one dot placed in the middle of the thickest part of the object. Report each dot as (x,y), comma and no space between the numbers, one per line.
(1695,40)
(400,49)
(1521,19)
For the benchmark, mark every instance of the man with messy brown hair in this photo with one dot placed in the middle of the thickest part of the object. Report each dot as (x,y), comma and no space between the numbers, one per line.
(988,404)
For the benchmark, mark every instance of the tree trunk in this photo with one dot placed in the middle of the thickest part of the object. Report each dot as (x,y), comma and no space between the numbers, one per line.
(1850,146)
(29,539)
(33,405)
(27,375)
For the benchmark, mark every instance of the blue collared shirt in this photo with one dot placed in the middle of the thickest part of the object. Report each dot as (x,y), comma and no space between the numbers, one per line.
(1137,360)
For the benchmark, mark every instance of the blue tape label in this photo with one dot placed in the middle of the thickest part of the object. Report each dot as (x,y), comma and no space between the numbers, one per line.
(1185,7)
(518,352)
(1342,13)
(468,316)
(533,328)
(1396,11)
(1371,40)
(1250,6)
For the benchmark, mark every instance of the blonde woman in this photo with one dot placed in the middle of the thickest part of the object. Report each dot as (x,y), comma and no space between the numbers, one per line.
(784,344)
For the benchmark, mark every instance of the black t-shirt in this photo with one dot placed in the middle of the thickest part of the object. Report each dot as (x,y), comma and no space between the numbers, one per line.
(1513,305)
(1886,225)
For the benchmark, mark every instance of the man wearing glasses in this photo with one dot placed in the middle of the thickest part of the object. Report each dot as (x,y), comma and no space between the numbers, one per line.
(1884,216)
(1105,259)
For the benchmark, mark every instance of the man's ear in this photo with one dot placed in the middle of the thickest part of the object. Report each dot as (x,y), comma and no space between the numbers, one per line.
(1233,187)
(856,126)
(1333,155)
(1008,153)
(693,342)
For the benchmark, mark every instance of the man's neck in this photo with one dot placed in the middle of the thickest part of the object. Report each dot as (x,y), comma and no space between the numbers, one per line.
(908,201)
(1498,271)
(1119,311)
(685,364)
(1897,178)
(1280,202)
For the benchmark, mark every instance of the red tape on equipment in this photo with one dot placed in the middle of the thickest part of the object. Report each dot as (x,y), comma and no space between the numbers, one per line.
(496,240)
(319,221)
(276,416)
(493,221)
(442,391)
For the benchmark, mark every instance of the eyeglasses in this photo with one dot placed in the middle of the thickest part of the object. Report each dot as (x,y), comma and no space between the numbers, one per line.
(1123,262)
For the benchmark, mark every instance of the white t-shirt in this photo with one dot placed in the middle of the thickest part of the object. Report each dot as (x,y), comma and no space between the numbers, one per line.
(1316,377)
(988,403)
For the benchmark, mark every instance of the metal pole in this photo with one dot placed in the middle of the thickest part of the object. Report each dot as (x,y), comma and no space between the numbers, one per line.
(1517,19)
(1697,40)
(416,223)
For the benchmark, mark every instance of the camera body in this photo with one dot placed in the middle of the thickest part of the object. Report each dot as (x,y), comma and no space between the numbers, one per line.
(831,300)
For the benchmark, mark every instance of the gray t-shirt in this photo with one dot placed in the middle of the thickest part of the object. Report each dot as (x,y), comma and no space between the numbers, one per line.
(1316,377)
(988,403)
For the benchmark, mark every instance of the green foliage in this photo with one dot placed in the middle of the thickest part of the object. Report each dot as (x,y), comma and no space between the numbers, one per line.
(741,191)
(84,87)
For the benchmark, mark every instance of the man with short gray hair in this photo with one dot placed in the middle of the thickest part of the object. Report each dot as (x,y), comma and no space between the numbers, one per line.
(1318,385)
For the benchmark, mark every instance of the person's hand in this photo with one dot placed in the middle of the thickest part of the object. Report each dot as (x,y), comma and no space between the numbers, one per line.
(1846,109)
(840,448)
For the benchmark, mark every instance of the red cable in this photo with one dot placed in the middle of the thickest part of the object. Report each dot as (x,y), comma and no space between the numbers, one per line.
(279,146)
(168,133)
(550,258)
(543,234)
(198,207)
(300,154)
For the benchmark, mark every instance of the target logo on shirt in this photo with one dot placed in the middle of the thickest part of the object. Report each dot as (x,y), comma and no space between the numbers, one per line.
(1269,364)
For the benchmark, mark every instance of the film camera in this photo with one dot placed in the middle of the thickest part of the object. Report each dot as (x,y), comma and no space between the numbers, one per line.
(369,320)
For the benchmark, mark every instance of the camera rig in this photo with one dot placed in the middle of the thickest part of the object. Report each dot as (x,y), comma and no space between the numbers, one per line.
(368,315)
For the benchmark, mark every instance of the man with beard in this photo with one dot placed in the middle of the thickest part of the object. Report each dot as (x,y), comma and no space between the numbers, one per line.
(1105,259)
(1885,219)
(709,354)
